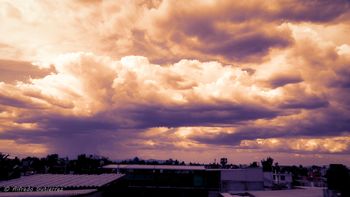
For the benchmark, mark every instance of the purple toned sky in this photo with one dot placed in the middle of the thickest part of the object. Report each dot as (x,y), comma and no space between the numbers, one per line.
(192,80)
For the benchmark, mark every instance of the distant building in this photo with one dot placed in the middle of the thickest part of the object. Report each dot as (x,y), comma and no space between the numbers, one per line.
(312,182)
(278,179)
(132,167)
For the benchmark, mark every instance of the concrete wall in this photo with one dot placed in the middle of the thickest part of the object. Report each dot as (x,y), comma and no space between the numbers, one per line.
(241,186)
(242,179)
(247,174)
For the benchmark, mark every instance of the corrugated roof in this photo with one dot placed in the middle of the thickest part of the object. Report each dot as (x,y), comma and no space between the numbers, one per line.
(153,167)
(61,180)
(49,193)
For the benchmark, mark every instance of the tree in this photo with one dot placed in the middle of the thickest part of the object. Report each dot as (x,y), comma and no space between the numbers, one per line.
(254,165)
(169,162)
(9,168)
(277,167)
(33,164)
(52,159)
(267,164)
(136,160)
(223,161)
(4,166)
(338,179)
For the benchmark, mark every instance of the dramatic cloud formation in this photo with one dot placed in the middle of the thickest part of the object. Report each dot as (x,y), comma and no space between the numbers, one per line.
(238,79)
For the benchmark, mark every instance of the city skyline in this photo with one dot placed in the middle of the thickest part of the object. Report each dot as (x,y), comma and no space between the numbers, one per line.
(191,80)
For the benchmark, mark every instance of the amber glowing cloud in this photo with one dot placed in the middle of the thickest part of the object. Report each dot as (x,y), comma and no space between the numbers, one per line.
(152,78)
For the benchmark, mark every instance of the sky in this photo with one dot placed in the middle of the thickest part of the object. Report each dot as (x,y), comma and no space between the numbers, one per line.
(191,80)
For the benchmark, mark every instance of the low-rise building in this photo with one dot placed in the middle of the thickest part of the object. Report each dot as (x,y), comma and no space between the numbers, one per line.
(182,180)
(278,179)
(166,180)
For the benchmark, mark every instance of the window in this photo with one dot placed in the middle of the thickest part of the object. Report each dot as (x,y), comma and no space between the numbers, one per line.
(283,178)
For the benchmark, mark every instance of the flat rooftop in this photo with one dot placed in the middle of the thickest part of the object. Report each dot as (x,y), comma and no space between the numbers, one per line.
(153,167)
(307,192)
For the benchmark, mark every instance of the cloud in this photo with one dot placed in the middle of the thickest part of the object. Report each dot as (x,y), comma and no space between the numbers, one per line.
(11,146)
(305,103)
(95,95)
(280,80)
(197,115)
(12,71)
(152,76)
(310,11)
(301,145)
(163,31)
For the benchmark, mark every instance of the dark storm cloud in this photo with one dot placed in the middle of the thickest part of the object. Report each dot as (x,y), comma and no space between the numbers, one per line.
(282,80)
(197,115)
(313,11)
(68,141)
(341,79)
(78,124)
(232,31)
(229,139)
(247,46)
(70,135)
(327,122)
(67,134)
(305,103)
(216,37)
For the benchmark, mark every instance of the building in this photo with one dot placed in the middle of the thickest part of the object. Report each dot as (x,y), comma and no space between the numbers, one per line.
(246,179)
(278,180)
(301,192)
(166,180)
(132,167)
(182,180)
(59,185)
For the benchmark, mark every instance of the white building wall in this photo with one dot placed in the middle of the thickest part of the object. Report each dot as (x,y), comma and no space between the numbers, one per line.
(271,179)
(268,179)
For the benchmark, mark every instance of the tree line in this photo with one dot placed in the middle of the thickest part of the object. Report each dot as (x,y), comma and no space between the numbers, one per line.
(84,164)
